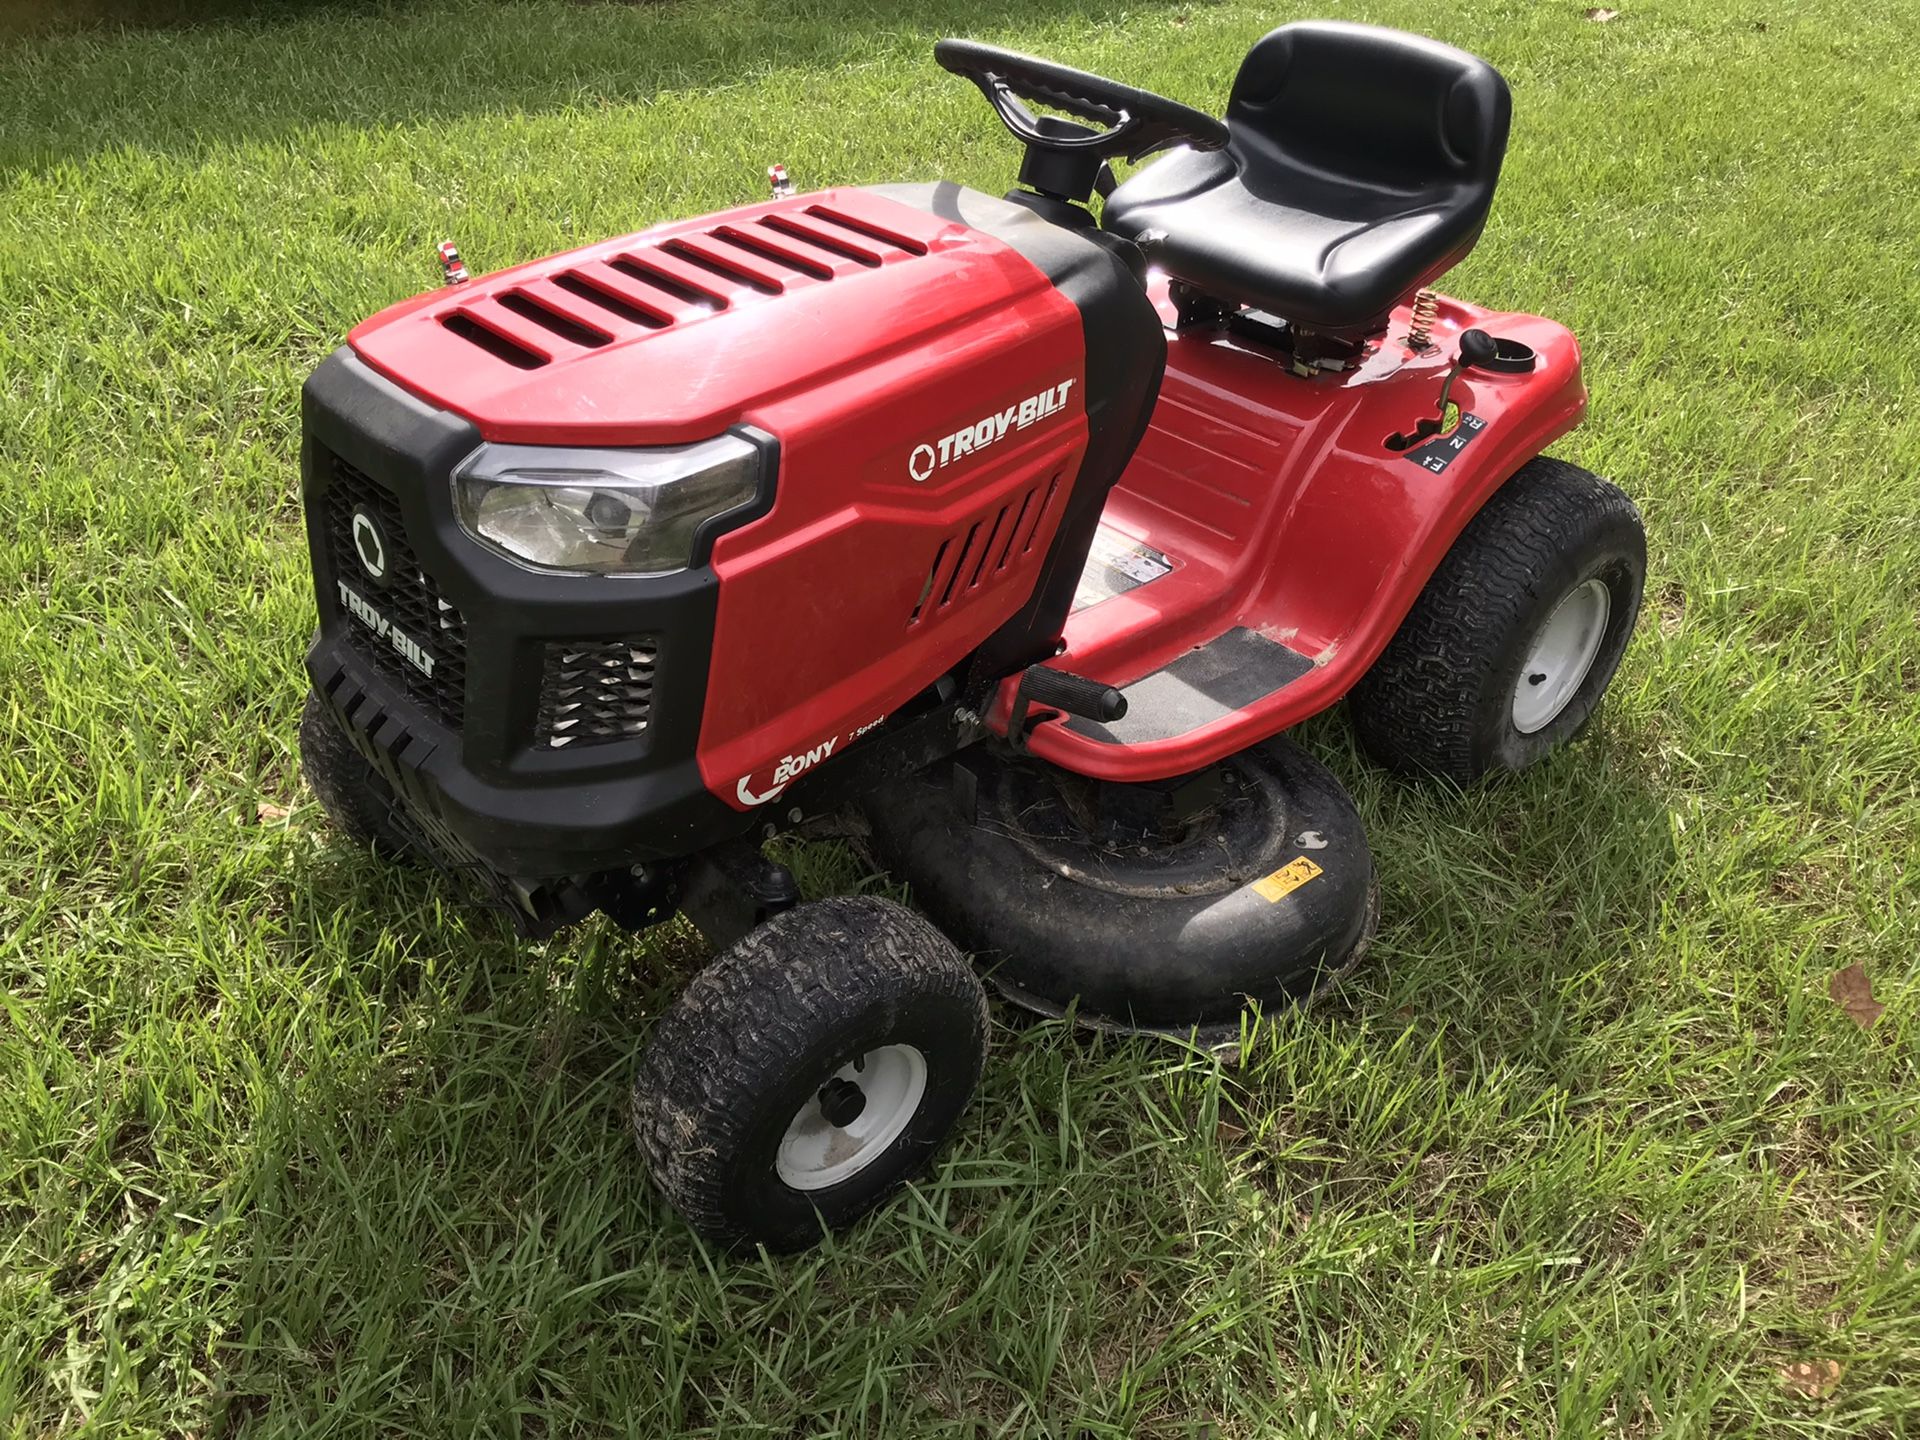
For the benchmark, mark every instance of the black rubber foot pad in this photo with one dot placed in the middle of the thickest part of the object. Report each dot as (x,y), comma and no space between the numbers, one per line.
(1228,673)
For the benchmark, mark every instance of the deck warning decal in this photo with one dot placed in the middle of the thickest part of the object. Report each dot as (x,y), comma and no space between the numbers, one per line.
(1454,437)
(1288,878)
(1117,563)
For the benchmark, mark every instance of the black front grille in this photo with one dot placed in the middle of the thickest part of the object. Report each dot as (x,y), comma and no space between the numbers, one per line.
(595,692)
(408,598)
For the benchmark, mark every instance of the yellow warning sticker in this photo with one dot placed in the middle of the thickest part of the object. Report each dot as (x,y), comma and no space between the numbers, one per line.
(1287,879)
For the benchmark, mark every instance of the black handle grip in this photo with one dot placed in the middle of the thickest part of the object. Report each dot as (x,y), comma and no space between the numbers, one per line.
(1075,694)
(1026,127)
(1477,348)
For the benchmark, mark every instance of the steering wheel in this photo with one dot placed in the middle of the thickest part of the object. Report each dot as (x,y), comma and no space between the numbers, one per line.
(1138,121)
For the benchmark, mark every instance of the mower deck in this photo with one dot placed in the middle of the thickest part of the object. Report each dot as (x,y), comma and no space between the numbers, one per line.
(1265,541)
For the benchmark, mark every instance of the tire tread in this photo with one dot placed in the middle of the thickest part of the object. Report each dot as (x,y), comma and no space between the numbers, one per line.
(755,1012)
(1415,710)
(352,793)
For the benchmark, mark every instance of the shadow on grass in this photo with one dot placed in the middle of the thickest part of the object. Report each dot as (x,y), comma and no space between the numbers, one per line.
(268,72)
(440,1180)
(29,19)
(1499,898)
(447,1218)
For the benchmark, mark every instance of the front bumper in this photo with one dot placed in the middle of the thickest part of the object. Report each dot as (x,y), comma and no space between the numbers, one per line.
(455,703)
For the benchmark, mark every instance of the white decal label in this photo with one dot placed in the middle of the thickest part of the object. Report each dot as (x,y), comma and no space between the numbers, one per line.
(792,767)
(1117,563)
(971,439)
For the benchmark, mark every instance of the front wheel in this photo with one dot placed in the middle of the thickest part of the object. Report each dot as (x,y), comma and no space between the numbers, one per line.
(1512,644)
(356,799)
(809,1072)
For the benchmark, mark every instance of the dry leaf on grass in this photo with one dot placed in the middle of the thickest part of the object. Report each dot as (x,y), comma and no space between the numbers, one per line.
(268,813)
(1852,991)
(1228,1133)
(1812,1379)
(1599,16)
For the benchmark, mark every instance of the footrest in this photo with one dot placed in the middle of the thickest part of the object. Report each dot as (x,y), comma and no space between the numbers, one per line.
(1211,682)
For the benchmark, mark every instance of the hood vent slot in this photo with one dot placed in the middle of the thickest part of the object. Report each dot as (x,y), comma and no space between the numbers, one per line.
(717,265)
(565,326)
(774,253)
(584,289)
(492,341)
(639,270)
(892,238)
(821,238)
(981,554)
(609,295)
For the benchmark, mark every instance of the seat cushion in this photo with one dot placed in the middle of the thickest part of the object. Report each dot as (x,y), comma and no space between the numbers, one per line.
(1361,166)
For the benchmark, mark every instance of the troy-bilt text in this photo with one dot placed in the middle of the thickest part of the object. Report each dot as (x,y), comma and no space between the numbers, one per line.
(404,645)
(970,439)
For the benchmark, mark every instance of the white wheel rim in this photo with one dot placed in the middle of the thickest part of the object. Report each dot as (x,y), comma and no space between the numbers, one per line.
(816,1153)
(1561,655)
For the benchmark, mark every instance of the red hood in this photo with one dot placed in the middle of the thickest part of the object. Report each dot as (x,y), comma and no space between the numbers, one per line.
(678,332)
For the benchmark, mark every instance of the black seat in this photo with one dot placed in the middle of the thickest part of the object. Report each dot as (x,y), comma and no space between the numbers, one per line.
(1362,164)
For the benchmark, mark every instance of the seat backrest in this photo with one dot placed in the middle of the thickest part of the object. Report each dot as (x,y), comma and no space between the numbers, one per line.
(1323,103)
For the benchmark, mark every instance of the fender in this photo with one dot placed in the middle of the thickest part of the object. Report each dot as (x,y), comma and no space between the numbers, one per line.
(1281,510)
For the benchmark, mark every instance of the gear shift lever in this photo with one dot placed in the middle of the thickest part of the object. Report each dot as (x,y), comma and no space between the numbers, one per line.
(1477,348)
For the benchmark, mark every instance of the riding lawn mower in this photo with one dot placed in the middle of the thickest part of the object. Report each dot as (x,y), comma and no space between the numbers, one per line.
(1011,537)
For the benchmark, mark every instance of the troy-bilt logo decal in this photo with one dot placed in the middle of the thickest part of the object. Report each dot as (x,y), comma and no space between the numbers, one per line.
(369,544)
(791,767)
(971,439)
(404,645)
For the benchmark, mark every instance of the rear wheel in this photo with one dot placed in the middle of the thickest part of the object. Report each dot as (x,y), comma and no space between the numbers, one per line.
(350,790)
(1509,649)
(809,1071)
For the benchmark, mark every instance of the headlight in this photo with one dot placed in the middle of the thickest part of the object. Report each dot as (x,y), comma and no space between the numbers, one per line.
(606,512)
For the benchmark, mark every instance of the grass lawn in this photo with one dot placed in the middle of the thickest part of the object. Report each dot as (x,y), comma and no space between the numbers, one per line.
(291,1143)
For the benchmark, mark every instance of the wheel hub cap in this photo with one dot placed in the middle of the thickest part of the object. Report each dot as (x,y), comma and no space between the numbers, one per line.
(1561,655)
(851,1120)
